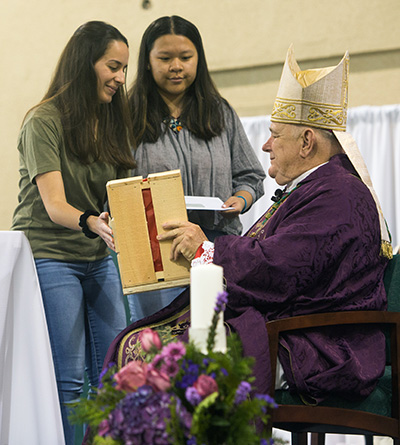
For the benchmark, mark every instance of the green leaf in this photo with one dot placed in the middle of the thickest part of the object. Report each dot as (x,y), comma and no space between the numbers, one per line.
(105,441)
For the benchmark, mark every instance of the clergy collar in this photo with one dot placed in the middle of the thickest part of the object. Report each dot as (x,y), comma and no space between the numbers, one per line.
(293,184)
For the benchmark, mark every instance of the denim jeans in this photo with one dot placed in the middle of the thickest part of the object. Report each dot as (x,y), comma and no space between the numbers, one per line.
(143,304)
(85,311)
(147,303)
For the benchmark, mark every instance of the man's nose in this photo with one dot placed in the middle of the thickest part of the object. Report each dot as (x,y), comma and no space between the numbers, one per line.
(267,145)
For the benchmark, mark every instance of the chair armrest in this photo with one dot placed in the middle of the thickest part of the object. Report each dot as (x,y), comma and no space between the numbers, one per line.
(382,318)
(332,318)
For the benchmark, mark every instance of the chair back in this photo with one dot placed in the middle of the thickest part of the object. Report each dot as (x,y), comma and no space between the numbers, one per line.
(392,283)
(379,413)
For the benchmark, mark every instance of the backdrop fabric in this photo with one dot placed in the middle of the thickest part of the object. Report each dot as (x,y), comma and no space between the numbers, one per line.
(377,133)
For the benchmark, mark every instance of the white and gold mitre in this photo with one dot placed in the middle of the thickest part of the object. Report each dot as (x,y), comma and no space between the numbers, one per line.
(316,97)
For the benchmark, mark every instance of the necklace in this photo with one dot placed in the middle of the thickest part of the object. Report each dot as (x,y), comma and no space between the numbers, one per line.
(173,123)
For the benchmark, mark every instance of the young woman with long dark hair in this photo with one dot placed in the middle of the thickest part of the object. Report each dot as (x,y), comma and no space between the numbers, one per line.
(74,141)
(181,122)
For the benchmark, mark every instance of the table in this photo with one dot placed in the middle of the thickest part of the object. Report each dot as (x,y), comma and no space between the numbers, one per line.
(29,407)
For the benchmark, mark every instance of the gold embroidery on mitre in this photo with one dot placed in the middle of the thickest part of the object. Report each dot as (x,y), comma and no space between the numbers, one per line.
(317,115)
(326,116)
(284,110)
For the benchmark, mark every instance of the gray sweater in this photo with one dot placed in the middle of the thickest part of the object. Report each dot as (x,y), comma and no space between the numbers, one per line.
(218,167)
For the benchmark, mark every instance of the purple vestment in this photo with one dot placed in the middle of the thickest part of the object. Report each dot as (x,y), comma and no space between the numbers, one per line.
(319,252)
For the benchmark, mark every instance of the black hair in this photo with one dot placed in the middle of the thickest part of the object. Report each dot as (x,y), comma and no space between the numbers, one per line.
(202,111)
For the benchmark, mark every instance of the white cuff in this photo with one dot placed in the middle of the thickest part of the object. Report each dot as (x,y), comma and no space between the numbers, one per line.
(206,256)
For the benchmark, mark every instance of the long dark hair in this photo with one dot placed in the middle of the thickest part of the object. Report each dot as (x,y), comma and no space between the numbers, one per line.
(202,111)
(92,131)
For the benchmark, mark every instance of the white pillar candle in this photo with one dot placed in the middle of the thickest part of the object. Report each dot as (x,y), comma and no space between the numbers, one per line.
(206,282)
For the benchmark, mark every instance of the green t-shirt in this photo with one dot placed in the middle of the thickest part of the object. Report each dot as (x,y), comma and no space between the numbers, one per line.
(42,149)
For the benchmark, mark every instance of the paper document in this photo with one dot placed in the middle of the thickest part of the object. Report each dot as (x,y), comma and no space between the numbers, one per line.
(204,203)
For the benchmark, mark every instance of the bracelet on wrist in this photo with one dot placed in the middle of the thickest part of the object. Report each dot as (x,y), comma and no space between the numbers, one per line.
(245,203)
(83,223)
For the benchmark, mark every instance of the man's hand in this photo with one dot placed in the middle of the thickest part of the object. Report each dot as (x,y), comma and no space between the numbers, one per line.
(186,238)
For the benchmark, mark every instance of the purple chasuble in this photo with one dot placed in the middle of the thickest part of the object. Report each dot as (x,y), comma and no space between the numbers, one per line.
(319,252)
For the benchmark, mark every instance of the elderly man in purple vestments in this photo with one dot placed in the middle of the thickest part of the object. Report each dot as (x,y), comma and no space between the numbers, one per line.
(322,246)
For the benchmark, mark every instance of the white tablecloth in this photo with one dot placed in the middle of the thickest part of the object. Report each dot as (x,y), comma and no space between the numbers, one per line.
(29,408)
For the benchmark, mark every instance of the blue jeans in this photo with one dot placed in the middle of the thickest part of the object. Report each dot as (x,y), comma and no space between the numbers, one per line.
(85,311)
(147,303)
(143,304)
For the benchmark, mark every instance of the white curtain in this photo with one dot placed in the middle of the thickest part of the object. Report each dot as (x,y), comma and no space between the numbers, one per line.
(377,133)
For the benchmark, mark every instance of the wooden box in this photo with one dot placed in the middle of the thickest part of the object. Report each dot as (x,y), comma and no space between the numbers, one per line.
(143,262)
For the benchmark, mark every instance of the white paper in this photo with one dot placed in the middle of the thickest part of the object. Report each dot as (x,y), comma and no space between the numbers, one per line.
(205,203)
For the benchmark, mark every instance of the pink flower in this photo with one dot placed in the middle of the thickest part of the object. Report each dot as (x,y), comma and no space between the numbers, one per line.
(104,427)
(170,367)
(205,385)
(158,380)
(174,351)
(157,360)
(131,376)
(149,339)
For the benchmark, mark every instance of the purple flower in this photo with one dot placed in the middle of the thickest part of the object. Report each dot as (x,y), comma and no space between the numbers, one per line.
(206,361)
(174,351)
(190,374)
(192,396)
(170,367)
(267,442)
(242,392)
(222,300)
(104,372)
(115,423)
(268,399)
(184,416)
(156,361)
(104,427)
(141,417)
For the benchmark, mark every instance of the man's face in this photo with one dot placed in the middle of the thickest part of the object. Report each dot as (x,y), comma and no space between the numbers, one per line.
(284,147)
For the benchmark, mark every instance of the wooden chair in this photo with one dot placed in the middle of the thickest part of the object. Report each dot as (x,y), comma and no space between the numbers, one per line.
(379,413)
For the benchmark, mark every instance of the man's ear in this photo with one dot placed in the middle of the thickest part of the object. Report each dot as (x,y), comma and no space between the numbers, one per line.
(308,139)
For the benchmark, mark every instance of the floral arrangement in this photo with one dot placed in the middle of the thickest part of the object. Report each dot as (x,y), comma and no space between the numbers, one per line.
(178,395)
